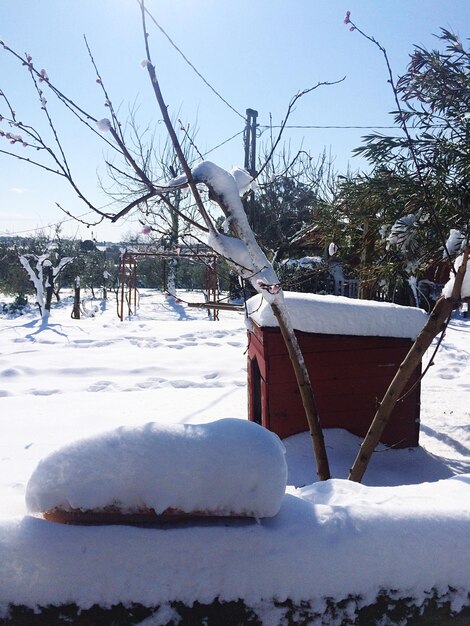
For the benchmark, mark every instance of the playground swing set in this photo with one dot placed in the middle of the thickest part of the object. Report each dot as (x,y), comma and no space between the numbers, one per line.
(127,295)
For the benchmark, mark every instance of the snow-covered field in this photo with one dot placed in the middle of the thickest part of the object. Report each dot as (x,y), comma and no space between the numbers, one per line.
(407,527)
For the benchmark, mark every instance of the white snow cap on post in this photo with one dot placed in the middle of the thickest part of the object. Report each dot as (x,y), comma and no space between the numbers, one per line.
(227,467)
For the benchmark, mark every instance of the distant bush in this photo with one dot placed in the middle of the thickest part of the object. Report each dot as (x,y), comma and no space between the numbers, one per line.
(19,306)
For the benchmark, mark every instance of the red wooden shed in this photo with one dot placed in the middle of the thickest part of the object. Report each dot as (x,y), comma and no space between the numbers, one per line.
(352,349)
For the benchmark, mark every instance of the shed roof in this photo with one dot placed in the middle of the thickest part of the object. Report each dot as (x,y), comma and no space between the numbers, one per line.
(337,315)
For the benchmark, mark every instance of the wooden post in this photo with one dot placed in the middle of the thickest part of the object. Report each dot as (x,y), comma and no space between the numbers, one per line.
(123,283)
(165,277)
(134,280)
(106,275)
(306,393)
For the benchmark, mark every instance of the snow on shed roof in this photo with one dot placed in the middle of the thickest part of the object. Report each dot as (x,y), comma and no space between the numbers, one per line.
(337,315)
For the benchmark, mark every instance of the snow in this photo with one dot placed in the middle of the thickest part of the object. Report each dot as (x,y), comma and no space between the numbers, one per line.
(226,467)
(232,249)
(332,249)
(306,262)
(244,249)
(465,291)
(403,232)
(405,528)
(104,125)
(243,179)
(337,315)
(454,243)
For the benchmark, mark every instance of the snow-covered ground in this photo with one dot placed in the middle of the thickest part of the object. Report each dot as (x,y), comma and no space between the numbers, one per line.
(407,527)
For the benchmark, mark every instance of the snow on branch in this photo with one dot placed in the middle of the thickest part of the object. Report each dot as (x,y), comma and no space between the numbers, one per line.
(242,250)
(465,289)
(455,243)
(60,266)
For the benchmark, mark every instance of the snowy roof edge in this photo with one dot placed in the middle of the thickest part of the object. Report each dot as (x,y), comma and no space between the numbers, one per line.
(338,315)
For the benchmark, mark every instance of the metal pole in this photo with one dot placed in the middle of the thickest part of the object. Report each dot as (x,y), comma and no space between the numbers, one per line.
(214,283)
(252,169)
(134,269)
(123,280)
(129,287)
(250,160)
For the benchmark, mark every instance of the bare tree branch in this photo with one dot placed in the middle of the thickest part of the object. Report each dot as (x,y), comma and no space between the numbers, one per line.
(166,118)
(289,111)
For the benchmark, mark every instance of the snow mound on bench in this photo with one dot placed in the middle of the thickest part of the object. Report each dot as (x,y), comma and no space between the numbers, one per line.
(226,467)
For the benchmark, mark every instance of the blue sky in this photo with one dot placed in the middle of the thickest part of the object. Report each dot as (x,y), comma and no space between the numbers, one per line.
(255,53)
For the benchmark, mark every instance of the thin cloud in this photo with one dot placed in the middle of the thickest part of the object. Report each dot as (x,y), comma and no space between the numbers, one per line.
(19,190)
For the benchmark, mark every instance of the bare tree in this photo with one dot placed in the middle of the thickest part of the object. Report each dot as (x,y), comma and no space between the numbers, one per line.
(43,275)
(244,254)
(240,249)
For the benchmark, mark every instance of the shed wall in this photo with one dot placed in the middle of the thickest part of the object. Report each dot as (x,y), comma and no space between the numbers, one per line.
(349,375)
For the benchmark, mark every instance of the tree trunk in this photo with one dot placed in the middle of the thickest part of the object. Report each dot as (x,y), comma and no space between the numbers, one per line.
(246,234)
(171,276)
(76,300)
(441,311)
(49,289)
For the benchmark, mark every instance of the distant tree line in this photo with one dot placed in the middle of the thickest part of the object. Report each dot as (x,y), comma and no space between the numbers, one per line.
(97,266)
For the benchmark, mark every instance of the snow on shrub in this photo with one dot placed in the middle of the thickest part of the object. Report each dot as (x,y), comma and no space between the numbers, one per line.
(465,291)
(227,467)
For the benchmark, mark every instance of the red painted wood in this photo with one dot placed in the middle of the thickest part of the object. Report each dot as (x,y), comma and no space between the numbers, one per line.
(274,344)
(349,377)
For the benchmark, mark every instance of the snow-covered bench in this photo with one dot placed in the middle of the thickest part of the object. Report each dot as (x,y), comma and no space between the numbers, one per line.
(226,468)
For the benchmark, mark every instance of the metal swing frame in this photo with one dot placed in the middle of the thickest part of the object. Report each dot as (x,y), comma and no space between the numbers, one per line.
(128,270)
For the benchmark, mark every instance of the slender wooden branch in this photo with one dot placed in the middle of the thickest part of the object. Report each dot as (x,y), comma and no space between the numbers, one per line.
(433,326)
(151,194)
(185,217)
(116,170)
(430,204)
(306,393)
(78,219)
(190,141)
(171,131)
(294,352)
(245,234)
(99,80)
(32,162)
(289,111)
